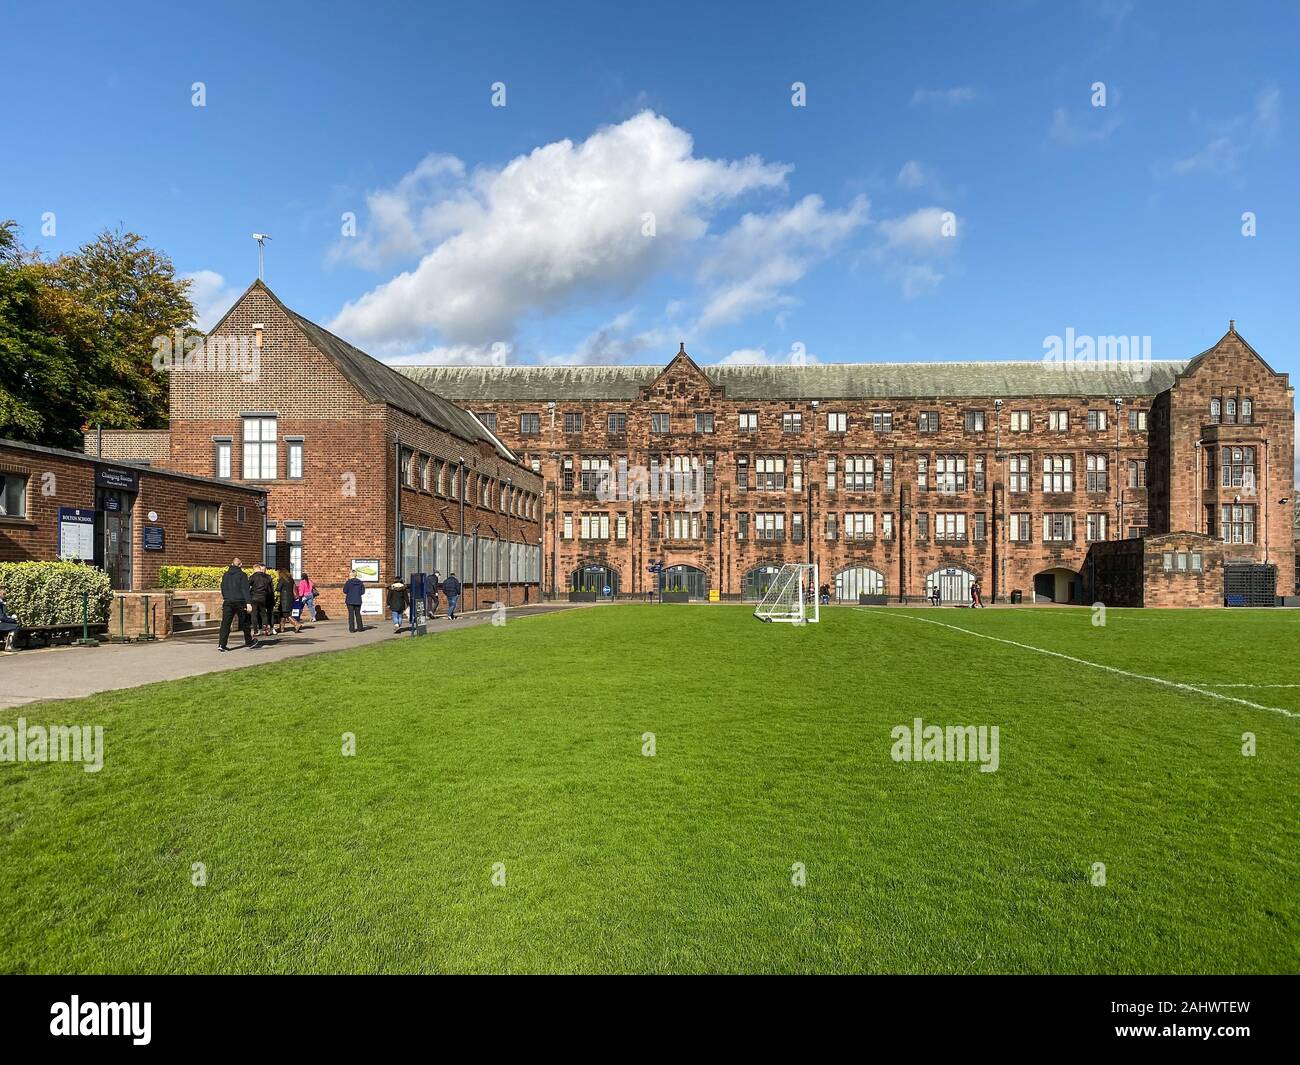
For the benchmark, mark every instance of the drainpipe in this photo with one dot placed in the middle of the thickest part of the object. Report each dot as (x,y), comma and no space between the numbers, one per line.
(397,506)
(460,491)
(510,503)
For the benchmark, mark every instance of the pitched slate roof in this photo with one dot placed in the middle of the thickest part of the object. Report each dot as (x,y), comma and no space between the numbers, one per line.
(816,381)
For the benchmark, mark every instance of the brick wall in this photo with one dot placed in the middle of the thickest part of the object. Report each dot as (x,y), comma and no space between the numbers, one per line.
(131,445)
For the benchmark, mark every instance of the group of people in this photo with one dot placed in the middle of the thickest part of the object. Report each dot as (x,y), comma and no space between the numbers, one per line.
(399,599)
(262,605)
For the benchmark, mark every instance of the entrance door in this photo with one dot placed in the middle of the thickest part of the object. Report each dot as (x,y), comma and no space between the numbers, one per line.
(953,584)
(115,506)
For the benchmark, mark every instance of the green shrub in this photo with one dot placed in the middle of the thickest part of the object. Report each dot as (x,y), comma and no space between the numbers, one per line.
(198,576)
(51,593)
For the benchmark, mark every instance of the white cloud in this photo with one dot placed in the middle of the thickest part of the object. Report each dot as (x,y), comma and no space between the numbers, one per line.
(563,221)
(914,245)
(940,98)
(762,357)
(1231,139)
(913,175)
(763,254)
(1076,133)
(497,353)
(211,297)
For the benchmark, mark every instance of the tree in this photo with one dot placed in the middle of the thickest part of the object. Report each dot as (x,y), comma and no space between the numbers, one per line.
(76,337)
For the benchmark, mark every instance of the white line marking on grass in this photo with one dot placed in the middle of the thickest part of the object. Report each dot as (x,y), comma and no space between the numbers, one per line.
(1097,665)
(1253,685)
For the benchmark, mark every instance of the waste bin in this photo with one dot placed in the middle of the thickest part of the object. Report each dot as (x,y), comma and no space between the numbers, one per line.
(1015,597)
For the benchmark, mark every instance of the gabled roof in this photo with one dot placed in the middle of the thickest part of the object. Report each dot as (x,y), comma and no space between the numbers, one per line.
(910,380)
(380,383)
(1196,361)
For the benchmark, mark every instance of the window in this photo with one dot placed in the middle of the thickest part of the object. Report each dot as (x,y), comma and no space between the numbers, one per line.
(530,424)
(742,526)
(293,457)
(796,474)
(573,421)
(1230,411)
(684,525)
(769,526)
(1196,562)
(887,527)
(1058,421)
(260,458)
(923,526)
(268,546)
(425,464)
(1238,466)
(1019,476)
(489,421)
(709,462)
(950,526)
(922,473)
(407,458)
(13,495)
(830,527)
(770,473)
(1096,527)
(453,481)
(1058,473)
(859,526)
(859,473)
(742,472)
(568,527)
(704,421)
(974,420)
(979,473)
(1020,421)
(1247,411)
(1237,523)
(950,473)
(595,526)
(1096,473)
(1018,529)
(1096,421)
(595,472)
(882,421)
(748,421)
(1058,528)
(1167,563)
(796,528)
(980,530)
(221,448)
(830,473)
(620,527)
(887,472)
(792,422)
(616,423)
(837,422)
(1216,411)
(1137,420)
(293,534)
(205,518)
(928,421)
(659,423)
(1137,473)
(440,476)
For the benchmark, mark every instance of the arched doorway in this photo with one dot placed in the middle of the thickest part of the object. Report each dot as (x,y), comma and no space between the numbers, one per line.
(953,583)
(594,578)
(1057,585)
(758,580)
(858,580)
(694,582)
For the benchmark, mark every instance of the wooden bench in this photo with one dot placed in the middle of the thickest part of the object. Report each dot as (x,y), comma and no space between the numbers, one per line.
(21,636)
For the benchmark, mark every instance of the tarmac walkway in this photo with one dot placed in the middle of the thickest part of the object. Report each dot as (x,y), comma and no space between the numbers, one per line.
(71,672)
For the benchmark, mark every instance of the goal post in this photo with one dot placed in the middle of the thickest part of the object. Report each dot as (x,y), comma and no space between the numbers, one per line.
(792,596)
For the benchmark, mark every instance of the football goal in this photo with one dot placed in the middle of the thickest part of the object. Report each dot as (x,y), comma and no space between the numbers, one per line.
(792,596)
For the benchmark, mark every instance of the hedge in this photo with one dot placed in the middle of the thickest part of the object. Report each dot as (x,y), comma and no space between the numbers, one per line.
(52,593)
(198,577)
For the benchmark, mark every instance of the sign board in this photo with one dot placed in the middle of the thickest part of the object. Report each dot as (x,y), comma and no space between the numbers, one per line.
(114,477)
(372,603)
(77,533)
(112,503)
(154,539)
(367,569)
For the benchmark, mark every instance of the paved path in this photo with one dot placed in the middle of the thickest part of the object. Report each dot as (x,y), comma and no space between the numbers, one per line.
(71,672)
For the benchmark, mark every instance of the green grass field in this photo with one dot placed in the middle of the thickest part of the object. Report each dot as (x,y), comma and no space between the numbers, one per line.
(523,745)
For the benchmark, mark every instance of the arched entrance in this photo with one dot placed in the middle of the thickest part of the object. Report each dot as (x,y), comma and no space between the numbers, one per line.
(953,583)
(694,582)
(858,580)
(1057,585)
(758,580)
(594,578)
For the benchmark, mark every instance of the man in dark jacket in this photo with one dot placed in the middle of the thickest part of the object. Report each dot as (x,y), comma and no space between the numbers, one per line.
(262,587)
(451,589)
(236,602)
(353,593)
(397,603)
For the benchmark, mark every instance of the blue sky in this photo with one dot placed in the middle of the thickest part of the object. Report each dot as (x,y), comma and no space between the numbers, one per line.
(520,232)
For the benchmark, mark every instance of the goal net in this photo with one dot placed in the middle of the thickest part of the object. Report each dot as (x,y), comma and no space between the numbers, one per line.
(792,595)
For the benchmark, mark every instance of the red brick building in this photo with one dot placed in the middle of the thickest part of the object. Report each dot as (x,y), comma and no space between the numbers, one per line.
(126,518)
(895,479)
(358,463)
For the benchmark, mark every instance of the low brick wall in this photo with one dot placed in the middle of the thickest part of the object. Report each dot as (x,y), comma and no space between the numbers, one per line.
(132,614)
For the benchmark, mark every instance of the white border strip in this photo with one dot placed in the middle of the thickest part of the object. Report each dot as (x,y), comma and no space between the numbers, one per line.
(1095,665)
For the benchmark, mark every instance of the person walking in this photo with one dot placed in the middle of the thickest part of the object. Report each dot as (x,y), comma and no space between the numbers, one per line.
(353,593)
(8,623)
(307,593)
(976,595)
(451,589)
(285,593)
(236,602)
(263,588)
(431,590)
(397,603)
